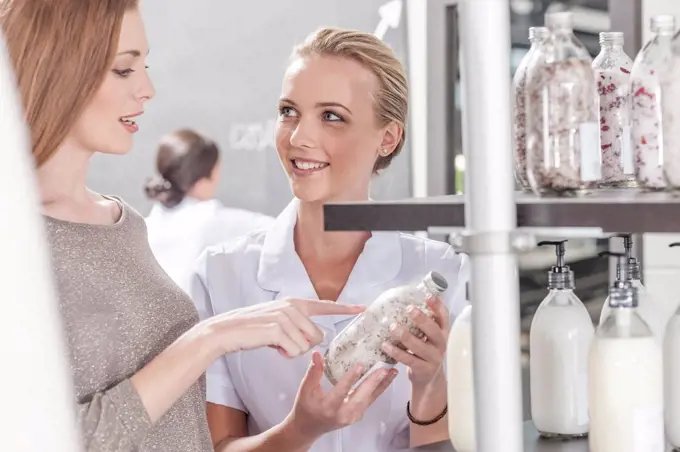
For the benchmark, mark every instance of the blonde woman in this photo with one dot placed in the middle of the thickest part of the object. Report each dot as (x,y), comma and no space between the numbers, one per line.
(342,116)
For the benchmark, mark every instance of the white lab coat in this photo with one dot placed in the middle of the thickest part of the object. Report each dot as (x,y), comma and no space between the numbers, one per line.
(177,236)
(264,266)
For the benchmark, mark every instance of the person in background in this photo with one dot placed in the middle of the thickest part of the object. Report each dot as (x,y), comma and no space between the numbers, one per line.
(342,116)
(137,350)
(186,218)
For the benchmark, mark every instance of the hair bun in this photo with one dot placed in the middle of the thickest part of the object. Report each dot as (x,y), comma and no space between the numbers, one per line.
(157,187)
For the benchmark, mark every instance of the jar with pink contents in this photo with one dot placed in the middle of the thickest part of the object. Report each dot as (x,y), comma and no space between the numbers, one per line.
(612,71)
(563,137)
(537,37)
(670,102)
(646,110)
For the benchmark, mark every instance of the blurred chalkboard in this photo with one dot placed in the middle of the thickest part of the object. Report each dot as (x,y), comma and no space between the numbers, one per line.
(217,67)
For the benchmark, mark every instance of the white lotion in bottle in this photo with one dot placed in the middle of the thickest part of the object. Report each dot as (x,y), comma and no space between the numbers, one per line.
(460,390)
(647,308)
(559,341)
(626,377)
(671,362)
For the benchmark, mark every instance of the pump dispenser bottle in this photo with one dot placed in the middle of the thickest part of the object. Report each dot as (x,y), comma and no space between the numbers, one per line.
(646,307)
(671,363)
(559,340)
(460,384)
(625,371)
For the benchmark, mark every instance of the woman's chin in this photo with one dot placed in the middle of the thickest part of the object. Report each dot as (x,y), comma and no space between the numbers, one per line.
(308,192)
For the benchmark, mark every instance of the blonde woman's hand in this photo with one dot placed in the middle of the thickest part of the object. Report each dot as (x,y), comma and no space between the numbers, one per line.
(281,324)
(317,412)
(425,356)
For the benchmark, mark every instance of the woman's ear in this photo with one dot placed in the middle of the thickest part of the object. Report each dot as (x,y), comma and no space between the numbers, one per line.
(391,138)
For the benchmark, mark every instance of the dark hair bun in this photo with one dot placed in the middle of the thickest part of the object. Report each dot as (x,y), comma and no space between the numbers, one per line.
(162,191)
(183,158)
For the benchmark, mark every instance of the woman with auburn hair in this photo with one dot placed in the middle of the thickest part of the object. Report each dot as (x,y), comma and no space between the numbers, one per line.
(138,352)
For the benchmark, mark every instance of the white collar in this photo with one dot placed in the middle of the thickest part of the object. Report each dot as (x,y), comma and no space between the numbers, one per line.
(280,266)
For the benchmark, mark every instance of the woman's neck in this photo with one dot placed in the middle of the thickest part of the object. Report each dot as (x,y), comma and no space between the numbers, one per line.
(312,240)
(62,178)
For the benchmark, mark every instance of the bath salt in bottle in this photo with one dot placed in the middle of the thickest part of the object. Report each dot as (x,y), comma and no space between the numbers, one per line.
(646,108)
(612,71)
(361,341)
(563,137)
(670,102)
(537,36)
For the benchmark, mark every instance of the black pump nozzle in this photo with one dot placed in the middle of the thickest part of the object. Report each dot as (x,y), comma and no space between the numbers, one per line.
(560,277)
(559,249)
(632,264)
(674,244)
(622,293)
(627,244)
(622,268)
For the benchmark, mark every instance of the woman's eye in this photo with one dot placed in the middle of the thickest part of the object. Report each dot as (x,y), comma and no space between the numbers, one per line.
(123,72)
(287,112)
(330,116)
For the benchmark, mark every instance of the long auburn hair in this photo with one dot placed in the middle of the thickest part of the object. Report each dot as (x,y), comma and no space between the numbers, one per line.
(61,51)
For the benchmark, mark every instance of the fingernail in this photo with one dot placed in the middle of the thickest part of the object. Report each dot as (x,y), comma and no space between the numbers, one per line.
(393,327)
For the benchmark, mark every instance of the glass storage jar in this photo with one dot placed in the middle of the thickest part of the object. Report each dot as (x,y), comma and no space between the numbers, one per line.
(612,71)
(646,107)
(537,36)
(670,103)
(563,150)
(361,341)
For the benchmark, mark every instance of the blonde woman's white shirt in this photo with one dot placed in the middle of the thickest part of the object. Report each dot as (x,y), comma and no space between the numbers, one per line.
(264,266)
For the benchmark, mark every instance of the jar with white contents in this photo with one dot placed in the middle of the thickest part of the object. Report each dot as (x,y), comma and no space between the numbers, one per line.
(361,341)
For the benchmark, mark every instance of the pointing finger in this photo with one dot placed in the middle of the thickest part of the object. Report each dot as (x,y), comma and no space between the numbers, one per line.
(319,307)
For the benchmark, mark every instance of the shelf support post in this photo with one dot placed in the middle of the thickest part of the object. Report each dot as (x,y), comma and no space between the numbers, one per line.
(490,212)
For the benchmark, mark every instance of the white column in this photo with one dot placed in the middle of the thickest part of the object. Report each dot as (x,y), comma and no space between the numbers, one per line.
(490,217)
(36,400)
(418,74)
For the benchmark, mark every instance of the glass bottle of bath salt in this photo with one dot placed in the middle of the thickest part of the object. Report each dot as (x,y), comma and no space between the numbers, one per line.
(563,137)
(537,36)
(646,108)
(670,107)
(361,341)
(612,72)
